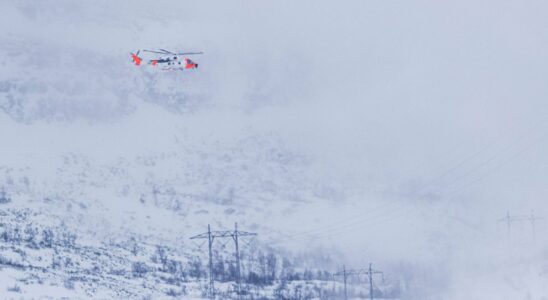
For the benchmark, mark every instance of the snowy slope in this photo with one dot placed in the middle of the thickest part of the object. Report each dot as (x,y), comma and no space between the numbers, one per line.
(106,162)
(107,169)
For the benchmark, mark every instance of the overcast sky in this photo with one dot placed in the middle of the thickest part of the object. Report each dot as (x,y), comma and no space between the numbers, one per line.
(437,105)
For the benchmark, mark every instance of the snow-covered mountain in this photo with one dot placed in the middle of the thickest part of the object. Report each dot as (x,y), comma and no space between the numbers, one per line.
(109,169)
(305,123)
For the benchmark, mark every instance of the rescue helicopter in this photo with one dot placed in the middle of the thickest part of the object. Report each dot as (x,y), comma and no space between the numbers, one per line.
(164,59)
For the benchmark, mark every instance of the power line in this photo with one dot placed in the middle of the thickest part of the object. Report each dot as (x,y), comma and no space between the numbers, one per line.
(366,222)
(351,221)
(345,223)
(512,143)
(363,223)
(359,220)
(494,168)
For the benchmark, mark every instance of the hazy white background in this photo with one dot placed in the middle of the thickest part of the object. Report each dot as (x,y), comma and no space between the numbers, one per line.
(419,123)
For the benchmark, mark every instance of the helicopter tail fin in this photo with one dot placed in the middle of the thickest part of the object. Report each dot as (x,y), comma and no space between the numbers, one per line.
(190,64)
(136,59)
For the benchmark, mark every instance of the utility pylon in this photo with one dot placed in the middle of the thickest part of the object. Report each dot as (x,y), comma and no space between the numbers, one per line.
(357,272)
(345,273)
(523,218)
(211,235)
(210,245)
(235,238)
(370,274)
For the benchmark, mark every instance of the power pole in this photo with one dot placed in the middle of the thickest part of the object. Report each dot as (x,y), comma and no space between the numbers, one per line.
(533,219)
(370,283)
(511,219)
(211,235)
(509,224)
(370,274)
(344,274)
(235,237)
(210,244)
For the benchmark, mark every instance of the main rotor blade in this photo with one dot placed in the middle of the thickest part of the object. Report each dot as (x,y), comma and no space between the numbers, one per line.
(157,52)
(167,52)
(163,51)
(190,53)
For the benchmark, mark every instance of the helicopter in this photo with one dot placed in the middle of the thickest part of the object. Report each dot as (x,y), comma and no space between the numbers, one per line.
(166,60)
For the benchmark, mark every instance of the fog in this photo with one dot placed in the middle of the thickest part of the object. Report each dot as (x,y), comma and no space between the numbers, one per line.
(418,124)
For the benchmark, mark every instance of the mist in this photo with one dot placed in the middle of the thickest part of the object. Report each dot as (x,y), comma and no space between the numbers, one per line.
(399,133)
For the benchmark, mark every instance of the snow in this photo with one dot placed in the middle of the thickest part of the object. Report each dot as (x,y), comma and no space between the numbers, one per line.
(314,130)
